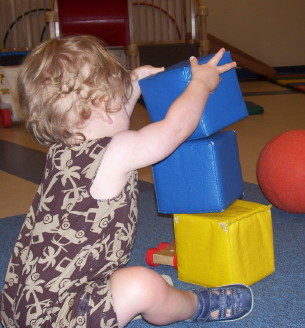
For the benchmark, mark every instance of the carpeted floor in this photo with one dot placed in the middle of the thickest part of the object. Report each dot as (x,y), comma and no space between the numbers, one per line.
(279,298)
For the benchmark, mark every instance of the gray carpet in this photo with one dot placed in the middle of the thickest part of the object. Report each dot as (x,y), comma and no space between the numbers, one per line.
(279,298)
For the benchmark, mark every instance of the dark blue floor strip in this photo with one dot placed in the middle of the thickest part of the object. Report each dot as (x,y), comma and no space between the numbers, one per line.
(23,162)
(28,164)
(269,93)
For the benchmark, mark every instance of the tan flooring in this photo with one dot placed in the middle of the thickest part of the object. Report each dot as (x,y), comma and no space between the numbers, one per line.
(16,195)
(282,112)
(18,135)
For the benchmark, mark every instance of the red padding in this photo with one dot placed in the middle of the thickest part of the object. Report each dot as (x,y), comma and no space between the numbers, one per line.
(105,19)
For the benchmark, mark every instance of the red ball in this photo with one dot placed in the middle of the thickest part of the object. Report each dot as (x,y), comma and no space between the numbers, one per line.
(281,171)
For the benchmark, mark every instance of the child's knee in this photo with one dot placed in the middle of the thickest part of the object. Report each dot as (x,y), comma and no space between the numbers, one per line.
(138,283)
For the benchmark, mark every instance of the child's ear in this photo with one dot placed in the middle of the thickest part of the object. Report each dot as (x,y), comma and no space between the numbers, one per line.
(101,110)
(106,116)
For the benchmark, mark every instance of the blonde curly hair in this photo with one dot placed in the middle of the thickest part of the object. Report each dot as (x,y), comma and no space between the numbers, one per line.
(69,75)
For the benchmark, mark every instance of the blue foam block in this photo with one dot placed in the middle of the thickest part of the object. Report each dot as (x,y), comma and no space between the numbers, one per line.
(224,107)
(201,176)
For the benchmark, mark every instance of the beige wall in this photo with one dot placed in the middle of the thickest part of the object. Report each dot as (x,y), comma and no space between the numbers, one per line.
(272,31)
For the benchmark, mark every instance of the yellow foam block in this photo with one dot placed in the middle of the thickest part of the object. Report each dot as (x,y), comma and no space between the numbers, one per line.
(234,246)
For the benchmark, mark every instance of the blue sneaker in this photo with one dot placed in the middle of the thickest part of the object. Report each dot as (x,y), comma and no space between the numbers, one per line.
(224,303)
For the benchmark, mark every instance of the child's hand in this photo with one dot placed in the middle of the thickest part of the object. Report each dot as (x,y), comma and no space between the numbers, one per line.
(136,75)
(144,71)
(208,75)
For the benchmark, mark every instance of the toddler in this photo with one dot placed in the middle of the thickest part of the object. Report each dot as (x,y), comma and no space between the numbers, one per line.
(67,267)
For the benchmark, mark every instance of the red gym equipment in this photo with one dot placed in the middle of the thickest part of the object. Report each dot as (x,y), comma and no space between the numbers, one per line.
(105,19)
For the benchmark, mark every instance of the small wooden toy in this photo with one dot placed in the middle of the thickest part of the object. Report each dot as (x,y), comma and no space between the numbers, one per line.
(164,254)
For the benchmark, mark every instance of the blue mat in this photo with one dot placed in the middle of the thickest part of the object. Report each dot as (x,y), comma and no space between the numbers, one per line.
(279,298)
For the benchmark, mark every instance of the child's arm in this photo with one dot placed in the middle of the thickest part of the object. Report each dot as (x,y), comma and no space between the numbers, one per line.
(130,150)
(136,75)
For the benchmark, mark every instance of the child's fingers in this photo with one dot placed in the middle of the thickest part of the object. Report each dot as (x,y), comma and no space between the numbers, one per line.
(213,62)
(216,58)
(152,70)
(193,61)
(146,70)
(226,67)
(222,68)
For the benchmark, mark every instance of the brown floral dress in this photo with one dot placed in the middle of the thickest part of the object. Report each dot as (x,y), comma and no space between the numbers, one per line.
(69,246)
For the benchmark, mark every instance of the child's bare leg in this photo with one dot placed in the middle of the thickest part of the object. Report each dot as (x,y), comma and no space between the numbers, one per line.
(139,290)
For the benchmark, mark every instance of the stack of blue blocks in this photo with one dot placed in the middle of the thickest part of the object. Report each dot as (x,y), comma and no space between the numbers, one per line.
(203,175)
